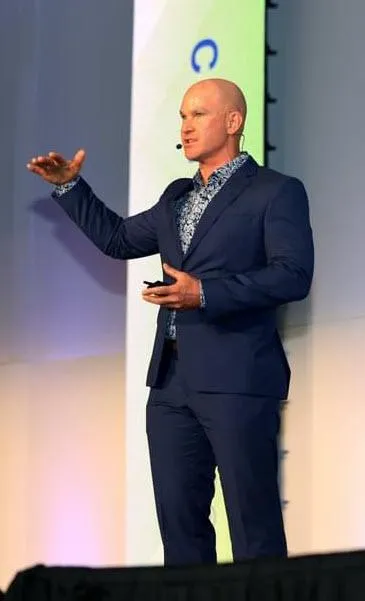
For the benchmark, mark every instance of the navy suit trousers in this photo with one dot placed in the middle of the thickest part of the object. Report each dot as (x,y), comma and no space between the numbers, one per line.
(190,434)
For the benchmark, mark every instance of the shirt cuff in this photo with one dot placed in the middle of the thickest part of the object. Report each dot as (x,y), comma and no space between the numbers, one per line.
(63,188)
(203,303)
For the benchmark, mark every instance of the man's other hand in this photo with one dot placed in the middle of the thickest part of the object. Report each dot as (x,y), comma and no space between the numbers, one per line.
(184,293)
(55,169)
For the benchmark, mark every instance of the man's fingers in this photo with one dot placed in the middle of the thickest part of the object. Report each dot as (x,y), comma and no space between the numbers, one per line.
(159,291)
(79,157)
(58,158)
(46,163)
(44,173)
(55,159)
(36,169)
(170,302)
(42,161)
(171,271)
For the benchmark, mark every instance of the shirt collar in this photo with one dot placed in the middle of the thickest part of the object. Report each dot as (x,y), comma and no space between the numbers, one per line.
(223,173)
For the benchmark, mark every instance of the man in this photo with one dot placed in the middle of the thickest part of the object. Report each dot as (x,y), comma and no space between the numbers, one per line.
(235,243)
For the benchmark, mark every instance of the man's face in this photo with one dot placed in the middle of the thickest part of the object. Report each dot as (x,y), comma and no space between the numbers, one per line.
(203,127)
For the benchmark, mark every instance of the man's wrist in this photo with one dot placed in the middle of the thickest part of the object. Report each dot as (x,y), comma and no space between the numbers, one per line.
(61,189)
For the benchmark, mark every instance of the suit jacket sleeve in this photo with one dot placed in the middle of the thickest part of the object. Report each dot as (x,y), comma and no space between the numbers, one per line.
(116,237)
(288,272)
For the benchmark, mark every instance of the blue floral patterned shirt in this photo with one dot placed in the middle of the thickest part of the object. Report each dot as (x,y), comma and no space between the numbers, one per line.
(189,209)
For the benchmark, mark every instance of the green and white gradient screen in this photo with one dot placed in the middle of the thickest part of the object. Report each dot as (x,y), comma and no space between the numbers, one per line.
(175,43)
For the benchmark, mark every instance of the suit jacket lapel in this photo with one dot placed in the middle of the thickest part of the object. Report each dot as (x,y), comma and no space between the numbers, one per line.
(228,193)
(179,189)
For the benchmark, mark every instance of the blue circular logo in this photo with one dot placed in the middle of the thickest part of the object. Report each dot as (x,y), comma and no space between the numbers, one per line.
(207,43)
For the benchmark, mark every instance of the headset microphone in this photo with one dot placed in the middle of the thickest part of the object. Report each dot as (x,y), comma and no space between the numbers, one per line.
(178,146)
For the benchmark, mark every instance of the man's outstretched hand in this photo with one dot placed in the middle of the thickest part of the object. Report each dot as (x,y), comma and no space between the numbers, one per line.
(184,293)
(55,169)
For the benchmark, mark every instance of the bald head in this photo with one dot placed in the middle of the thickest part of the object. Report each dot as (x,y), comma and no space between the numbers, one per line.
(225,93)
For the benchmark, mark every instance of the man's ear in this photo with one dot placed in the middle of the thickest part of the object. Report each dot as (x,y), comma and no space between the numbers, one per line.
(234,122)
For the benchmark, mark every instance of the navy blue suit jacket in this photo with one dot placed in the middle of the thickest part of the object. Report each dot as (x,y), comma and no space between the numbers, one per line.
(253,251)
